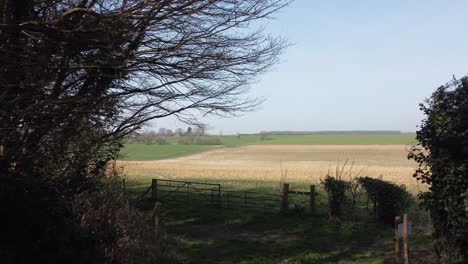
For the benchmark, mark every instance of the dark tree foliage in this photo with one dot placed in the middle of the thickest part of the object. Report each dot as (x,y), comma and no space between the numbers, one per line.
(76,76)
(390,200)
(442,155)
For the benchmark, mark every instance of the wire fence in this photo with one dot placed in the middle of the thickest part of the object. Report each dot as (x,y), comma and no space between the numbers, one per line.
(212,194)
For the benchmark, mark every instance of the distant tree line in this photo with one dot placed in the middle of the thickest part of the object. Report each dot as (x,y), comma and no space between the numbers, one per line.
(162,135)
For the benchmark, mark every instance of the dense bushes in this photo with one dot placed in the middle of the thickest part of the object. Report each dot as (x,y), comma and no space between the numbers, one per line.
(443,164)
(121,232)
(336,189)
(389,199)
(45,221)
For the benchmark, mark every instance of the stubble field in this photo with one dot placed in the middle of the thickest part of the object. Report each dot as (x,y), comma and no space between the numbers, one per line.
(267,165)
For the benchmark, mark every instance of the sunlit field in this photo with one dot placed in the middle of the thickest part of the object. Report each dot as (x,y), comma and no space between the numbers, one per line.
(206,235)
(266,165)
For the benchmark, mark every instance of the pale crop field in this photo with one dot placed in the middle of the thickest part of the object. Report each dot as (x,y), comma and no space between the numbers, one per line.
(268,165)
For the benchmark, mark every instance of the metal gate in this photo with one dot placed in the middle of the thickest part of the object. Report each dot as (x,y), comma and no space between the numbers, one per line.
(187,192)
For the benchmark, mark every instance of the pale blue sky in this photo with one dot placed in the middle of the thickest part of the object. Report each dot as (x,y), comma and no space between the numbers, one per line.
(356,65)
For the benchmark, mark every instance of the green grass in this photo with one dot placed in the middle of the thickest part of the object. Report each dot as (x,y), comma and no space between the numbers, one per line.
(137,151)
(202,234)
(358,139)
(325,139)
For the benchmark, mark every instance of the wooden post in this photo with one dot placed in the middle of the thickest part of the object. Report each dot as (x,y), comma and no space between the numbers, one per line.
(312,198)
(405,239)
(157,226)
(397,240)
(154,189)
(284,201)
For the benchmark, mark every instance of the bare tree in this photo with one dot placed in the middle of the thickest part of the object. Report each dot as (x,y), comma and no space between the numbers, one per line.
(199,131)
(264,135)
(179,132)
(111,65)
(76,76)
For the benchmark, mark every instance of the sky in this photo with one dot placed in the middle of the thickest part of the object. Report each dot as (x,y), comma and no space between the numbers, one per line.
(354,65)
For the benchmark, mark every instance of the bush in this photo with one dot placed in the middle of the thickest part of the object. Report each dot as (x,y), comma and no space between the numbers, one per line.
(121,232)
(443,157)
(207,141)
(45,221)
(390,200)
(336,190)
(161,140)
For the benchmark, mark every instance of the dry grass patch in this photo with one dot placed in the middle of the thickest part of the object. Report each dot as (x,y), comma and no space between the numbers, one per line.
(264,164)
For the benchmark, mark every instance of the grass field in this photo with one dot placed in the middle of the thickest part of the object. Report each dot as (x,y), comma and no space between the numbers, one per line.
(138,151)
(325,139)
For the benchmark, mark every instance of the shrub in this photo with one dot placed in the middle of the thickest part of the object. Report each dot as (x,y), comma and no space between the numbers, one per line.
(45,221)
(207,141)
(390,200)
(121,232)
(197,140)
(161,140)
(443,157)
(336,189)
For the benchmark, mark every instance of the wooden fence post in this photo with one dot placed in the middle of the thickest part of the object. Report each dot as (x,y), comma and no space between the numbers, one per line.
(284,201)
(312,198)
(397,240)
(405,239)
(154,189)
(157,226)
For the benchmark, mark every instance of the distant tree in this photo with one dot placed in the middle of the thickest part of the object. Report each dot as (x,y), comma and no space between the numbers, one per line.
(263,135)
(179,132)
(169,133)
(199,131)
(442,155)
(189,131)
(162,131)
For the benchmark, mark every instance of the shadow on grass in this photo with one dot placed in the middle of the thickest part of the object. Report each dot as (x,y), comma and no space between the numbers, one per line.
(212,235)
(209,234)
